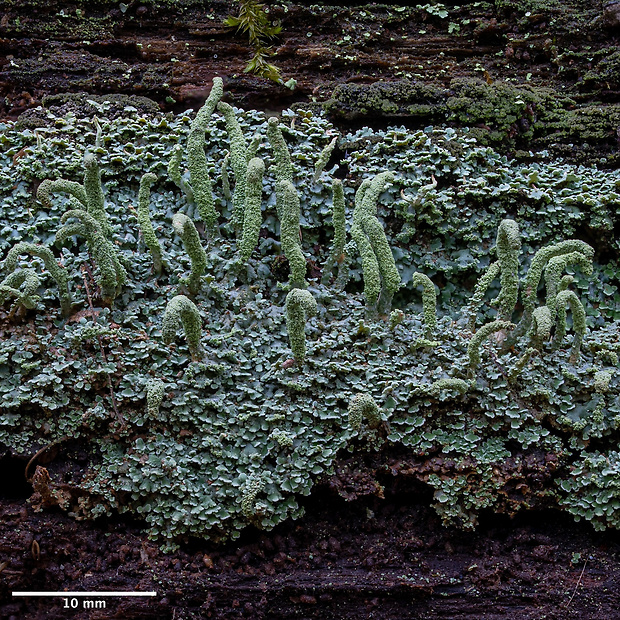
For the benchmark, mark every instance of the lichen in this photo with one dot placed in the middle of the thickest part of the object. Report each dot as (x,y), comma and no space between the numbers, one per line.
(184,227)
(182,311)
(144,221)
(363,406)
(252,216)
(300,305)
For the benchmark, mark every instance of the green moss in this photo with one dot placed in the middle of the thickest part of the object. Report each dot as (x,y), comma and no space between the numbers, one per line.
(352,101)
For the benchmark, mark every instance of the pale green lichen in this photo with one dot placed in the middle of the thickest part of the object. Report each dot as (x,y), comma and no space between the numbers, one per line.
(184,227)
(542,322)
(252,216)
(252,149)
(248,500)
(197,160)
(539,261)
(434,389)
(73,188)
(396,318)
(22,285)
(88,197)
(155,389)
(480,290)
(112,275)
(321,162)
(144,220)
(601,381)
(300,305)
(95,202)
(381,277)
(429,301)
(363,406)
(336,255)
(224,173)
(508,245)
(553,273)
(473,348)
(563,299)
(290,232)
(283,439)
(182,311)
(521,363)
(282,157)
(57,272)
(239,161)
(174,172)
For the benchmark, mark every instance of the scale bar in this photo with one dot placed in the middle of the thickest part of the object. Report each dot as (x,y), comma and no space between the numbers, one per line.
(90,594)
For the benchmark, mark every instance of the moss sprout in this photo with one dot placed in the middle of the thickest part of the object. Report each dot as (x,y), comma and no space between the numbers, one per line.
(21,284)
(112,275)
(508,246)
(553,274)
(197,160)
(144,220)
(336,255)
(363,406)
(521,363)
(282,157)
(535,271)
(473,348)
(184,227)
(239,161)
(381,277)
(480,290)
(182,311)
(429,301)
(252,216)
(321,162)
(542,322)
(57,272)
(300,305)
(155,389)
(563,299)
(289,234)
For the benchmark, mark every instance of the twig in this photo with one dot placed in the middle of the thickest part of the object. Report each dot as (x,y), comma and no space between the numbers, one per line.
(583,570)
(39,452)
(117,413)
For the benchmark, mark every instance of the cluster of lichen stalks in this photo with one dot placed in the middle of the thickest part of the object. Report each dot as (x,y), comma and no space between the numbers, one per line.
(87,218)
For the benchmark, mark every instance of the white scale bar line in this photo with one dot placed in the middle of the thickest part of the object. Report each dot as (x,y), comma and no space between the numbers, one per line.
(92,594)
